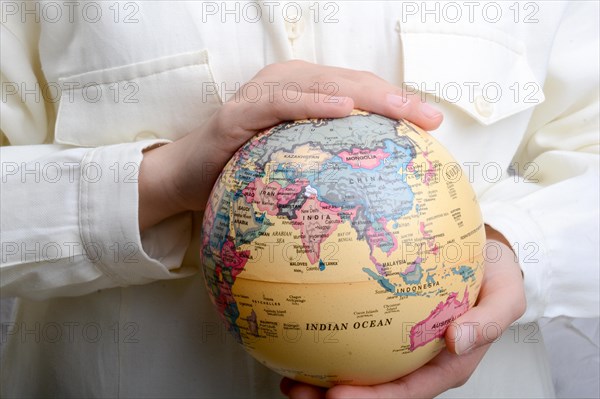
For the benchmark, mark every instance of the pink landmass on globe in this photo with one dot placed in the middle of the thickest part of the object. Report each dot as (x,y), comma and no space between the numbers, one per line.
(349,213)
(433,247)
(291,191)
(232,259)
(207,225)
(317,220)
(263,196)
(363,158)
(435,325)
(428,174)
(233,263)
(224,298)
(376,237)
(411,268)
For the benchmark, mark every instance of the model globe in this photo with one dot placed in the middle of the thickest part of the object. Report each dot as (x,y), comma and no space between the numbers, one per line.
(338,251)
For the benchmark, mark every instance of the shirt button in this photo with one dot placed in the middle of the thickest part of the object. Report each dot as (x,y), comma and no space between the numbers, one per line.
(483,107)
(294,29)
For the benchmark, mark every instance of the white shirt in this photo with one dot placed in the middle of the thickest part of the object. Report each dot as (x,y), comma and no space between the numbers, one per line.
(87,86)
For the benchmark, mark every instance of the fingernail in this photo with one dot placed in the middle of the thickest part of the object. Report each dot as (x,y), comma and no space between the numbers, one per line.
(397,101)
(429,112)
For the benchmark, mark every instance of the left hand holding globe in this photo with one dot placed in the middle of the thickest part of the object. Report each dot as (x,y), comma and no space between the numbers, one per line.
(501,302)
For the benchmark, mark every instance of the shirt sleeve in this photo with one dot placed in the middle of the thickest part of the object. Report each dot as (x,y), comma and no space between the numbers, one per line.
(549,209)
(69,215)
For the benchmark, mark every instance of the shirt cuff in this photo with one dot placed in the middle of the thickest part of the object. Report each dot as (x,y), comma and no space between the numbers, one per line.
(528,243)
(108,219)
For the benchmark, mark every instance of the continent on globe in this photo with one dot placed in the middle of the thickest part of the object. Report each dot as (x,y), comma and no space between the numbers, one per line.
(434,326)
(319,220)
(335,250)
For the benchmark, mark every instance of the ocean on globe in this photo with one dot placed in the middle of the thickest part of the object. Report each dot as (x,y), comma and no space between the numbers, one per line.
(338,251)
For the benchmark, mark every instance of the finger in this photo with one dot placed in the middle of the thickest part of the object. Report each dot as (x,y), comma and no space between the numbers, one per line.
(501,301)
(239,119)
(413,110)
(378,96)
(369,92)
(285,385)
(444,372)
(294,105)
(298,390)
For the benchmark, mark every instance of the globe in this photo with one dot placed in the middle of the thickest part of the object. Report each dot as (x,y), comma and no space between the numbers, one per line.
(338,251)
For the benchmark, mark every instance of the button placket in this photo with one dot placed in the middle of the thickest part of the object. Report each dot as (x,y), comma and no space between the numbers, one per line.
(299,31)
(294,29)
(295,26)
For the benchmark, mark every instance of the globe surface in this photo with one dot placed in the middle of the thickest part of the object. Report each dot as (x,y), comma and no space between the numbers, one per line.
(338,251)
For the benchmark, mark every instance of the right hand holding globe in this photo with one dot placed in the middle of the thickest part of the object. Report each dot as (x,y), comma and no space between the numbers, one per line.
(501,302)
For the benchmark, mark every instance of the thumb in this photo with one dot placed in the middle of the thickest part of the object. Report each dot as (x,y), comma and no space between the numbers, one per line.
(501,302)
